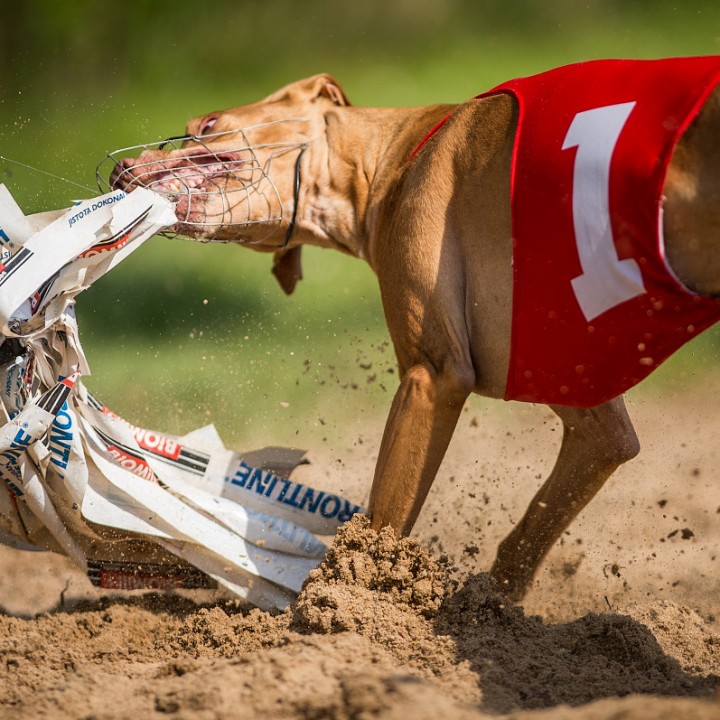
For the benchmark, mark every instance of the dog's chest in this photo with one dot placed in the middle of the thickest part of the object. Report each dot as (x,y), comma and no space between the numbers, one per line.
(595,306)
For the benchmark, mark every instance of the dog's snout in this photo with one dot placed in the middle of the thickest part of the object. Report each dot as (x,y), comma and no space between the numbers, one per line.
(117,172)
(121,174)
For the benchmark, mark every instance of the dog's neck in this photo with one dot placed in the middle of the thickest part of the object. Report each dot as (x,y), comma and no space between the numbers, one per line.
(353,169)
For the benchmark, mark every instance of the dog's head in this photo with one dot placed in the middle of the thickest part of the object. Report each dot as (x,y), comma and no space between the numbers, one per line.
(235,175)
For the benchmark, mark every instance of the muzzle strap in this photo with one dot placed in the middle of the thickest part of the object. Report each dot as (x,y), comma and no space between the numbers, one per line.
(296,197)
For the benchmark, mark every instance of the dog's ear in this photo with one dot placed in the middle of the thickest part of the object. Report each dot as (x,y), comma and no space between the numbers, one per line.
(287,268)
(330,88)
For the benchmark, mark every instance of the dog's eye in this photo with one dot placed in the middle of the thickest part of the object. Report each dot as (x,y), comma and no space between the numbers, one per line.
(207,124)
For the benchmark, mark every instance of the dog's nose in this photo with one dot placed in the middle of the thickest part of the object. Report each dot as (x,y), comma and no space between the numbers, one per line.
(119,177)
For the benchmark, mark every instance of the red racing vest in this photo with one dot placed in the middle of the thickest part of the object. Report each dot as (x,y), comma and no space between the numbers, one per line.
(596,308)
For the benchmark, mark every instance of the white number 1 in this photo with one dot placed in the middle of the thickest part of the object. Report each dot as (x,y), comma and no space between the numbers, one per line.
(606,281)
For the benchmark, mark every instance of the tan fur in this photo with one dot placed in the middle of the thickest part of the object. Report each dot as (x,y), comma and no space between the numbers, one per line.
(436,231)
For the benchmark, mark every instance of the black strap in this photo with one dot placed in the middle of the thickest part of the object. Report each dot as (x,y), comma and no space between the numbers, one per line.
(296,192)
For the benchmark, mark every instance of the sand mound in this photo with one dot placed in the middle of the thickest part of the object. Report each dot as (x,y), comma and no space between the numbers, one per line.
(363,562)
(387,590)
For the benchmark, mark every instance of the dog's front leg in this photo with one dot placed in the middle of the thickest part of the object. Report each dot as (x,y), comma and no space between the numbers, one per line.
(422,419)
(596,441)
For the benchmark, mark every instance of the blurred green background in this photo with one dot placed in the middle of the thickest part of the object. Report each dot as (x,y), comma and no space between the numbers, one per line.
(183,334)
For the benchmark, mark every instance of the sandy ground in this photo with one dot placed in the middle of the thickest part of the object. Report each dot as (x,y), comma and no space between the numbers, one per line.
(622,621)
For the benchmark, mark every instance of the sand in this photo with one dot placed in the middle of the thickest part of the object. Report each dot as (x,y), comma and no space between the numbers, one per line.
(620,623)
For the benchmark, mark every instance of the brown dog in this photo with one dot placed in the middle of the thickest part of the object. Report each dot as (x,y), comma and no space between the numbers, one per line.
(437,231)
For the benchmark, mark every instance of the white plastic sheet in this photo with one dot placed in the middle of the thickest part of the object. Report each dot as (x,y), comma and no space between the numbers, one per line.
(134,507)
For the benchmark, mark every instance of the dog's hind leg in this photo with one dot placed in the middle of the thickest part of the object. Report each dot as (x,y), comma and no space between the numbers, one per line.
(596,441)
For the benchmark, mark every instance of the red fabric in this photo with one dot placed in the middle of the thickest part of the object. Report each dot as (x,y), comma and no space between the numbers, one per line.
(559,353)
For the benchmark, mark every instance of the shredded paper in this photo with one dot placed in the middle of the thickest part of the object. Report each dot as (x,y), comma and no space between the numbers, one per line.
(135,508)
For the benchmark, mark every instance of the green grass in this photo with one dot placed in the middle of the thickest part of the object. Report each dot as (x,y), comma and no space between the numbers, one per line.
(223,344)
(182,334)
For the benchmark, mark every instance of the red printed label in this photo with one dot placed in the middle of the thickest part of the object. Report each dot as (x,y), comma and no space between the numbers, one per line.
(157,443)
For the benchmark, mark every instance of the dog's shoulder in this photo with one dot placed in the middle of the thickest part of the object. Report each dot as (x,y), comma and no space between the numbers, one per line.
(478,133)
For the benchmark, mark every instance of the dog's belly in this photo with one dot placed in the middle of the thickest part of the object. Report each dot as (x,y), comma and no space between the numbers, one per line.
(489,315)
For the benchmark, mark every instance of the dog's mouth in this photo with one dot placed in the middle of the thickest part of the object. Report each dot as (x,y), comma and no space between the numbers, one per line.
(200,184)
(176,176)
(189,180)
(220,184)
